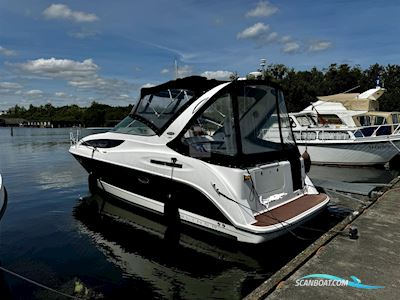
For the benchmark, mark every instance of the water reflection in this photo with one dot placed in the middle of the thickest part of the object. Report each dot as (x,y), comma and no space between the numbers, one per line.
(198,265)
(353,174)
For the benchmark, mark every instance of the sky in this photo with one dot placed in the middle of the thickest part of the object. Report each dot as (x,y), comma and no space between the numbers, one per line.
(79,51)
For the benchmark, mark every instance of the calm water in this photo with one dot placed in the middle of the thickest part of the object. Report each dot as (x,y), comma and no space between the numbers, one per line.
(52,233)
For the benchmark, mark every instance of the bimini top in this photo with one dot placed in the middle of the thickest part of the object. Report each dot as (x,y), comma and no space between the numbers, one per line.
(197,84)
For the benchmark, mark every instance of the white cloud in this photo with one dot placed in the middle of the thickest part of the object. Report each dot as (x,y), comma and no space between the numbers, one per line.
(291,47)
(286,39)
(9,86)
(7,52)
(63,12)
(271,37)
(254,32)
(164,71)
(316,46)
(263,9)
(34,93)
(99,83)
(220,75)
(64,68)
(260,34)
(81,75)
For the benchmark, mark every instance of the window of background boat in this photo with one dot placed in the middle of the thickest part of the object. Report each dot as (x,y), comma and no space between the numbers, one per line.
(333,135)
(305,135)
(364,120)
(213,131)
(379,120)
(159,108)
(130,125)
(329,119)
(305,120)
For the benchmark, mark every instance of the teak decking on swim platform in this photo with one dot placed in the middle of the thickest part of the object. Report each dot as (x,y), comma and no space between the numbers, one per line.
(289,210)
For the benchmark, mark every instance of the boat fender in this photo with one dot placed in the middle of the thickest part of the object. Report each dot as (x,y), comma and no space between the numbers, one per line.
(307,161)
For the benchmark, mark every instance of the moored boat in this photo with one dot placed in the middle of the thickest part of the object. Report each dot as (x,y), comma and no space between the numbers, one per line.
(348,129)
(216,155)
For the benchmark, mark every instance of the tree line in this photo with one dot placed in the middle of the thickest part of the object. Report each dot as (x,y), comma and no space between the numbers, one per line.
(95,115)
(300,88)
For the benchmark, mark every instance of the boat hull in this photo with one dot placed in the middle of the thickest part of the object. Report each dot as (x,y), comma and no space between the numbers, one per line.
(351,153)
(201,222)
(180,203)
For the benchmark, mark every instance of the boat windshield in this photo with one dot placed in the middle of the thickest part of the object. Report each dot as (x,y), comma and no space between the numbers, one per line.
(153,111)
(159,108)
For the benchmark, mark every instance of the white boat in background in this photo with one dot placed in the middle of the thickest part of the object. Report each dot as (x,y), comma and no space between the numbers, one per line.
(194,151)
(348,129)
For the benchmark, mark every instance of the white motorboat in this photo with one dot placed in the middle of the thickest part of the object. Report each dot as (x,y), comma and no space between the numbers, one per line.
(347,129)
(195,151)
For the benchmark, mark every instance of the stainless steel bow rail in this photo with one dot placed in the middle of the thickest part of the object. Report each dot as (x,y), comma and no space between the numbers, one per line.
(74,138)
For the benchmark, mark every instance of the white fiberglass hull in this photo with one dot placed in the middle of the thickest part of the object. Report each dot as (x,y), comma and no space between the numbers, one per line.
(208,224)
(369,153)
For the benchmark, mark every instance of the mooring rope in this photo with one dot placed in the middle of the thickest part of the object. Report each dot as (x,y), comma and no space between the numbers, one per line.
(39,284)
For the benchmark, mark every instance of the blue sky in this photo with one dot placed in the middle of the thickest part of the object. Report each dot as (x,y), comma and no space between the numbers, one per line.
(79,51)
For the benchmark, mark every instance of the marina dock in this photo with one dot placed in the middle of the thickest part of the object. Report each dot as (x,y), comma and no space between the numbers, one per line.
(372,257)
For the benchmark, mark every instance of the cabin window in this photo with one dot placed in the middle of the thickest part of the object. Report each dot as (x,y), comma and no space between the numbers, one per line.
(133,126)
(395,118)
(333,135)
(305,120)
(305,135)
(213,130)
(329,119)
(379,120)
(364,120)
